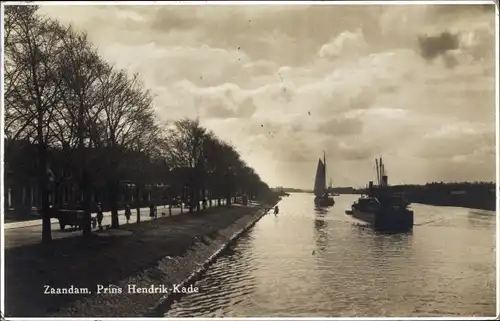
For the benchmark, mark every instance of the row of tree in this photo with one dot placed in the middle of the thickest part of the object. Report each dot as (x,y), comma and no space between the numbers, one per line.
(480,195)
(95,124)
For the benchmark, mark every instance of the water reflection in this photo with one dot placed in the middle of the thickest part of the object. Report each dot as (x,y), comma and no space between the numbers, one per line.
(320,262)
(320,227)
(478,219)
(219,284)
(321,211)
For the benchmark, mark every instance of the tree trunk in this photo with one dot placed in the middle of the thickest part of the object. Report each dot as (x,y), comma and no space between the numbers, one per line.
(228,196)
(43,188)
(205,196)
(113,191)
(86,228)
(191,199)
(58,200)
(138,203)
(197,199)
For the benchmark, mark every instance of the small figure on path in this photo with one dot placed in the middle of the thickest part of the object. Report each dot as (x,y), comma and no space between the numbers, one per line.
(276,210)
(204,203)
(151,210)
(100,216)
(128,213)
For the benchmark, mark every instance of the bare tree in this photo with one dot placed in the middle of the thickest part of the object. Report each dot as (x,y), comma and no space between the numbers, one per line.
(215,156)
(145,145)
(228,164)
(127,111)
(34,45)
(81,68)
(185,151)
(15,124)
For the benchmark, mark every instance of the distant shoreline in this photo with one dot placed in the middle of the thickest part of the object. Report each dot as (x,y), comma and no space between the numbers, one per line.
(474,200)
(485,207)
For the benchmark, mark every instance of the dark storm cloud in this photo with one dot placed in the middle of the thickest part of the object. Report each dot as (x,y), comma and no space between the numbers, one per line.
(434,46)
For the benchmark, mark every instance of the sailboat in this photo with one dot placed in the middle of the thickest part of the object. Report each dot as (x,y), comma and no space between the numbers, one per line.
(320,191)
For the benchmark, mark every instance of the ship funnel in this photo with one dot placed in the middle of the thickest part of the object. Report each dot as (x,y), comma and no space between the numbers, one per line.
(370,188)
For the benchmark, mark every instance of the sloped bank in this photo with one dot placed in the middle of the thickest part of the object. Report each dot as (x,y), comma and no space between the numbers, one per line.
(169,270)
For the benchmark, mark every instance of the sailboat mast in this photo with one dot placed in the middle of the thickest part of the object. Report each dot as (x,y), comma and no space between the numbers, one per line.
(324,163)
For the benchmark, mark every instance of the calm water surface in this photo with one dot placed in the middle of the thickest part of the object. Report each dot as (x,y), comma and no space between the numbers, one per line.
(303,262)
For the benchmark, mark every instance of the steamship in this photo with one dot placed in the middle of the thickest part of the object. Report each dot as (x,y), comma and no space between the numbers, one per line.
(382,209)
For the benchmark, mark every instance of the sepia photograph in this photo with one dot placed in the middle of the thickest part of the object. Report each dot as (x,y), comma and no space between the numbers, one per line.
(239,159)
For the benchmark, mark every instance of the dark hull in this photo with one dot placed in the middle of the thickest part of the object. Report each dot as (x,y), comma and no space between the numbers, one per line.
(324,201)
(390,220)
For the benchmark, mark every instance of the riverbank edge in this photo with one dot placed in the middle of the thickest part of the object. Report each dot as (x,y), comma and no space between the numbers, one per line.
(168,271)
(167,300)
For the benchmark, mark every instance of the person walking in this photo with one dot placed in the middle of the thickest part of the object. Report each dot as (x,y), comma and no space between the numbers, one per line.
(128,213)
(100,216)
(151,211)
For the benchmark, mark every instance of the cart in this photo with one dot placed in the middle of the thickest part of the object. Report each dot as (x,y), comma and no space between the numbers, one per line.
(73,218)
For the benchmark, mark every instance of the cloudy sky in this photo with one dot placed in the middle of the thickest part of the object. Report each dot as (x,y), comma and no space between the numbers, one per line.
(413,84)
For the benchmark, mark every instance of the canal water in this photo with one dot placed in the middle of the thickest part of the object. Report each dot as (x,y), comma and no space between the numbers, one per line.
(305,262)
